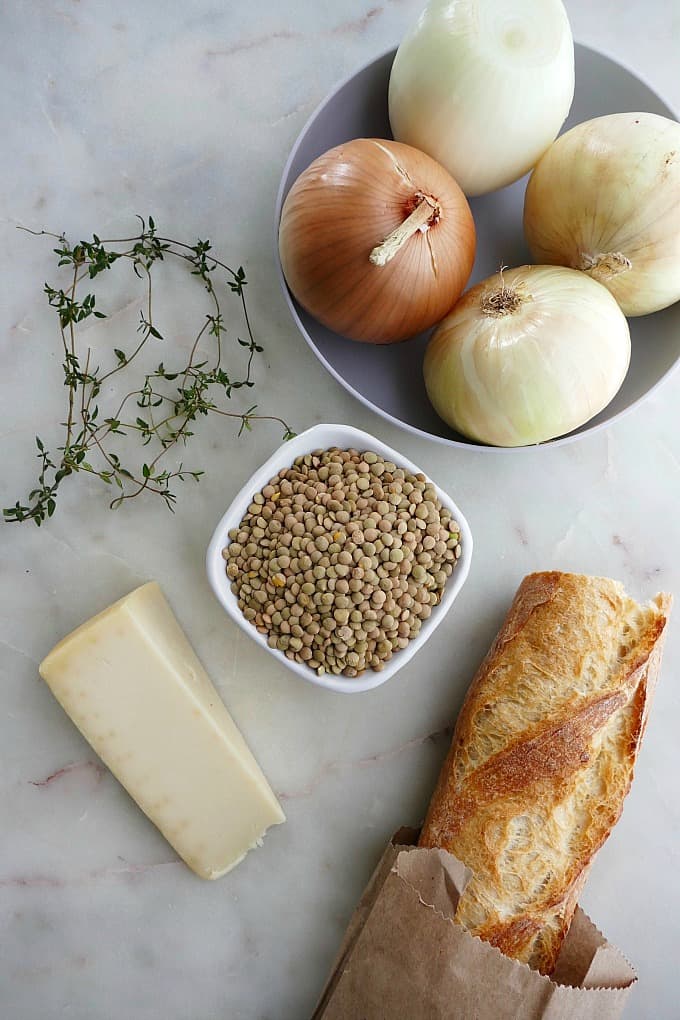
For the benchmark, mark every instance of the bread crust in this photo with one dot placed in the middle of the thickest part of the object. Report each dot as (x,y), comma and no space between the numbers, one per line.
(543,755)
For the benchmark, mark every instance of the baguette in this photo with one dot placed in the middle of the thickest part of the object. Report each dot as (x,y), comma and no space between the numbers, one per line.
(542,756)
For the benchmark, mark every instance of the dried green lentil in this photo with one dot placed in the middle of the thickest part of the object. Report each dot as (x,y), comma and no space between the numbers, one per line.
(372,549)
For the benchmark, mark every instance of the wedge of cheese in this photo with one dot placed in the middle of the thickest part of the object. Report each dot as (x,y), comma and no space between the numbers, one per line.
(133,685)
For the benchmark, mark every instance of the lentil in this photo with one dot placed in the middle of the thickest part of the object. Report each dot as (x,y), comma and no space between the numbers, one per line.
(339,559)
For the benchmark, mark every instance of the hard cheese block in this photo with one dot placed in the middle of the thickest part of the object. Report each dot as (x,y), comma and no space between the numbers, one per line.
(132,684)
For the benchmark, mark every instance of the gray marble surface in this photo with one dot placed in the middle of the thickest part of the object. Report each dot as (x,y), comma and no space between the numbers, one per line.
(187,111)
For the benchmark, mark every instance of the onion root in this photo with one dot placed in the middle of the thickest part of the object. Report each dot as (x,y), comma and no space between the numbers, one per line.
(604,265)
(502,300)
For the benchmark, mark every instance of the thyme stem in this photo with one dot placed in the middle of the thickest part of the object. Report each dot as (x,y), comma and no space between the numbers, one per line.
(184,393)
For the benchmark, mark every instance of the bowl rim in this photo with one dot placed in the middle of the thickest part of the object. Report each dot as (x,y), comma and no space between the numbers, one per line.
(571,437)
(326,435)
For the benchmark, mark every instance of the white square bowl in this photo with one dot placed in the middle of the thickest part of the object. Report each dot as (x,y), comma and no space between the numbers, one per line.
(323,437)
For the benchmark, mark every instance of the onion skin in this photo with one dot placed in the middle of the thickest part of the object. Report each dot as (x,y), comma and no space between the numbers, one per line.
(546,366)
(484,86)
(347,202)
(605,198)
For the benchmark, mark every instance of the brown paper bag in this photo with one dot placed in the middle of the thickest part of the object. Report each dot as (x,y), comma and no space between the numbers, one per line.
(402,957)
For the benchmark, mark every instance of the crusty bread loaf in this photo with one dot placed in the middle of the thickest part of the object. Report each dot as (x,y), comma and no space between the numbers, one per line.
(543,754)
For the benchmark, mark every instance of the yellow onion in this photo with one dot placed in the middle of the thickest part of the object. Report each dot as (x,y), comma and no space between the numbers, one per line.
(484,86)
(376,240)
(605,198)
(527,355)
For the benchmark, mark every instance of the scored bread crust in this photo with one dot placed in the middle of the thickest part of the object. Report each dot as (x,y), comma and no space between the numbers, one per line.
(542,756)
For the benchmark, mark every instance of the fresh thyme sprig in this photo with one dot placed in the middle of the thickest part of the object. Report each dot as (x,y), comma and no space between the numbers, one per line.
(166,403)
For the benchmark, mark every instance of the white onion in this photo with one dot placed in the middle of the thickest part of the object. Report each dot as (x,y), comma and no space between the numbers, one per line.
(527,355)
(605,198)
(484,86)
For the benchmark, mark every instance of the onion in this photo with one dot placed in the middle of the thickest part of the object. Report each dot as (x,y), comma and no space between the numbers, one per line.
(527,355)
(376,240)
(605,198)
(484,86)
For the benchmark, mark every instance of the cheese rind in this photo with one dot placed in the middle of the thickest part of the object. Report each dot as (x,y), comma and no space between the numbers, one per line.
(134,687)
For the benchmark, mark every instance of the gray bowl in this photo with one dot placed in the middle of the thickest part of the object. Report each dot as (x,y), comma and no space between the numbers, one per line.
(389,379)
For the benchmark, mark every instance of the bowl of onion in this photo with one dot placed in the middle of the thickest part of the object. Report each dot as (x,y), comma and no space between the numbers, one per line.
(432,370)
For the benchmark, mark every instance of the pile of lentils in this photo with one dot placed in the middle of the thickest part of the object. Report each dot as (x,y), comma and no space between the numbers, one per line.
(340,558)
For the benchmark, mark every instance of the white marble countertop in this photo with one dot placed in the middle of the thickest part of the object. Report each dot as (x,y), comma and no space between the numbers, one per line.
(187,111)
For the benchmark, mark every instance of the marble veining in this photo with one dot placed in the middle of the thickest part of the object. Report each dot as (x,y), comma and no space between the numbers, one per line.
(187,111)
